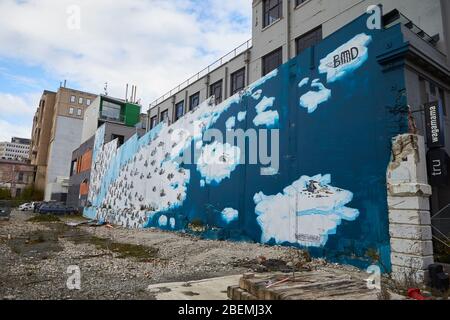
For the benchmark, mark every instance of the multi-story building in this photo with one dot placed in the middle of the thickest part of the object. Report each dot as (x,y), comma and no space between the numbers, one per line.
(57,129)
(282,29)
(16,176)
(121,120)
(40,137)
(17,149)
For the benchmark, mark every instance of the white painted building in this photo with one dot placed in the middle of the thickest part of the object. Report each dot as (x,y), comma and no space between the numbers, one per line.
(17,149)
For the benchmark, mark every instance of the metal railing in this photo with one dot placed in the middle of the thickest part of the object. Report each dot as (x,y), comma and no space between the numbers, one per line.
(213,66)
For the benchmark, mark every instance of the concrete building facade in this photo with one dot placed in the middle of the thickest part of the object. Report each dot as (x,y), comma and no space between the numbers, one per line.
(40,137)
(17,149)
(291,27)
(121,120)
(57,129)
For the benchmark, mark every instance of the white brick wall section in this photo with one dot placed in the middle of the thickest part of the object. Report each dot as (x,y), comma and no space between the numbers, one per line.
(409,209)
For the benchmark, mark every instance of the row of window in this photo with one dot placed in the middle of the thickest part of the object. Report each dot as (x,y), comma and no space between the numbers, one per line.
(216,89)
(16,151)
(274,59)
(72,111)
(273,10)
(81,100)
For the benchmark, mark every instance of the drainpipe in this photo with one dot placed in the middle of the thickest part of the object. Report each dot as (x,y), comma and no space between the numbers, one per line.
(225,96)
(247,68)
(288,33)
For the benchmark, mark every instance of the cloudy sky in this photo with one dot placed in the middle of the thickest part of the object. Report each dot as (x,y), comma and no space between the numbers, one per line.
(155,44)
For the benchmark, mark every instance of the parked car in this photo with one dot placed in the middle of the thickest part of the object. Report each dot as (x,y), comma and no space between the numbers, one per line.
(26,207)
(5,210)
(37,205)
(57,209)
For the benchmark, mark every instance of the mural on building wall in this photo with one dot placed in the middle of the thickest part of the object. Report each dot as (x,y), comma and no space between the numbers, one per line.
(328,189)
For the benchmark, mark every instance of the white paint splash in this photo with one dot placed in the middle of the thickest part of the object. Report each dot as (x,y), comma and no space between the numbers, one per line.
(229,215)
(307,212)
(231,123)
(241,116)
(162,221)
(257,94)
(217,161)
(347,58)
(312,99)
(268,118)
(304,82)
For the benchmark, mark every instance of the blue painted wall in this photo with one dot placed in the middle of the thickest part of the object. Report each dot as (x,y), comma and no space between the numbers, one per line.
(333,159)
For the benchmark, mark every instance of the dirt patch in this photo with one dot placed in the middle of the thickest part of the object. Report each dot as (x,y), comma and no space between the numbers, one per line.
(123,250)
(44,218)
(43,243)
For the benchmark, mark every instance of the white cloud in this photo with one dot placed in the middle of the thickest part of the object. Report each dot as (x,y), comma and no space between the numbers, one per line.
(8,130)
(155,44)
(13,105)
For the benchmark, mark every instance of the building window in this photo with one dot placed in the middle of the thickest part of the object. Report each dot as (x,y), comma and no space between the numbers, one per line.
(73,99)
(272,61)
(88,102)
(179,110)
(237,81)
(120,139)
(111,111)
(164,116)
(153,122)
(194,101)
(80,100)
(71,110)
(79,112)
(74,166)
(272,11)
(308,40)
(20,178)
(299,2)
(216,90)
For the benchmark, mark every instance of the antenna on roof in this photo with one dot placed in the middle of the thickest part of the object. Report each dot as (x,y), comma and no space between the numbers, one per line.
(126,93)
(106,88)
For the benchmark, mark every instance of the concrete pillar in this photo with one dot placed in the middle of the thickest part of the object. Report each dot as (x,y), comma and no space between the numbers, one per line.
(409,209)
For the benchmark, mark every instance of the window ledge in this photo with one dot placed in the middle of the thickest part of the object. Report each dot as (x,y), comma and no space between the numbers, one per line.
(301,4)
(270,25)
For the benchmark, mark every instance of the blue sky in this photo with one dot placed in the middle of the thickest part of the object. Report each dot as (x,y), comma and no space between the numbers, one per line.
(154,44)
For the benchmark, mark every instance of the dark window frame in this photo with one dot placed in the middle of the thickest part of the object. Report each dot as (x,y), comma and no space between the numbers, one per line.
(153,122)
(161,116)
(272,11)
(234,86)
(274,55)
(218,85)
(177,108)
(310,38)
(192,105)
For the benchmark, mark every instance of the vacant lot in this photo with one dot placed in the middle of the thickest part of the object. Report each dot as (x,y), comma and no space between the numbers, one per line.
(117,263)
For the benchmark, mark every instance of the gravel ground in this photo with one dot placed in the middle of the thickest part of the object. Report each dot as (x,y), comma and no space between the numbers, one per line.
(120,263)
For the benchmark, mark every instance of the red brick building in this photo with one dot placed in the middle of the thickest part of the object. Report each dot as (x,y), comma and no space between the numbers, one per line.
(16,176)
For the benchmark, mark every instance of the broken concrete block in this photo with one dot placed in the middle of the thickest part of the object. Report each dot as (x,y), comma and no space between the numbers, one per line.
(412,217)
(410,232)
(413,247)
(409,203)
(411,261)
